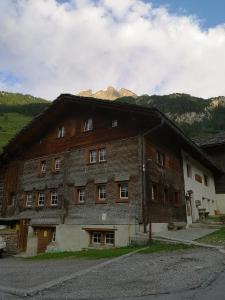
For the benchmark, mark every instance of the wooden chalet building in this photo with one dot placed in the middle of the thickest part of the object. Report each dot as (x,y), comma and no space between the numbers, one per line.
(90,172)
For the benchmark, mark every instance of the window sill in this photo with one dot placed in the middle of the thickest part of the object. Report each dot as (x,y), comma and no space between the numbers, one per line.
(101,202)
(122,200)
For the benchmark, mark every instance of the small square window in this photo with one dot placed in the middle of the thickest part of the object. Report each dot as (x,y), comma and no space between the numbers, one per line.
(114,123)
(54,198)
(81,195)
(123,191)
(102,155)
(41,199)
(88,125)
(101,193)
(29,200)
(93,156)
(61,132)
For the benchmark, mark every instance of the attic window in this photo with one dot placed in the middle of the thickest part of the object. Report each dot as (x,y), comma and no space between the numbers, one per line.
(61,132)
(88,125)
(114,123)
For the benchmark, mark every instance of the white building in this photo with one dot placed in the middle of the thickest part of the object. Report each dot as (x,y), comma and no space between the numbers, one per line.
(199,189)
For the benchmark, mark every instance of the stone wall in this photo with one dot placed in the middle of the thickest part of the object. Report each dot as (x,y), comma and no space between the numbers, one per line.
(11,239)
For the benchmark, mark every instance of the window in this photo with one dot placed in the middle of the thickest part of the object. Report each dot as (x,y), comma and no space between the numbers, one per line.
(165,196)
(176,198)
(41,199)
(198,178)
(88,125)
(93,156)
(154,192)
(96,237)
(57,164)
(29,200)
(103,238)
(188,166)
(160,159)
(43,167)
(114,123)
(123,190)
(206,181)
(11,199)
(81,195)
(109,238)
(61,132)
(102,155)
(54,198)
(101,193)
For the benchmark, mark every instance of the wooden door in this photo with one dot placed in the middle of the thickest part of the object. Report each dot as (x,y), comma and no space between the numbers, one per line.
(44,236)
(23,232)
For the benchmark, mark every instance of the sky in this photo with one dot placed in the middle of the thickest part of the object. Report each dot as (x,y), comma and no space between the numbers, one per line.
(48,47)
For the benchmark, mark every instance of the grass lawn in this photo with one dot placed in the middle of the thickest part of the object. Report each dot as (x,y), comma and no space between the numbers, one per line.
(216,238)
(110,253)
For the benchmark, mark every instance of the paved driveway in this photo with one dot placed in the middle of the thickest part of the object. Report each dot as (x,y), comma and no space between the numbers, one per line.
(138,275)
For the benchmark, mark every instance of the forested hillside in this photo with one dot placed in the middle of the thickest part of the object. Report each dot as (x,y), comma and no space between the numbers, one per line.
(195,116)
(16,110)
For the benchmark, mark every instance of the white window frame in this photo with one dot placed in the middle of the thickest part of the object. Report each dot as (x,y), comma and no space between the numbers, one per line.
(41,199)
(29,200)
(81,195)
(102,155)
(61,132)
(54,198)
(57,164)
(122,185)
(114,123)
(101,193)
(88,125)
(96,235)
(93,156)
(110,238)
(43,166)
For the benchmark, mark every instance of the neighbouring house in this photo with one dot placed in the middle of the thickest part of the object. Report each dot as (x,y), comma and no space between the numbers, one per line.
(94,173)
(199,189)
(214,146)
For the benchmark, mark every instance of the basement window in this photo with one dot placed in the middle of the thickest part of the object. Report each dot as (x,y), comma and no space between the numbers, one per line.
(103,238)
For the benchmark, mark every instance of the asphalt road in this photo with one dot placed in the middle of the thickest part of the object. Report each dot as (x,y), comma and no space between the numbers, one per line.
(190,274)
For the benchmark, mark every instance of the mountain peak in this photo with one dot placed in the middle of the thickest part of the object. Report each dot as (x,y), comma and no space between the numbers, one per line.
(110,93)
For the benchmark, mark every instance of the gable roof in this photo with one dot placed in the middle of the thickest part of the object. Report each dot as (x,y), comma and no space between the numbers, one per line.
(39,123)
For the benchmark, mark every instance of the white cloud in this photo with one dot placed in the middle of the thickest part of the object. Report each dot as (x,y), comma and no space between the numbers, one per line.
(81,44)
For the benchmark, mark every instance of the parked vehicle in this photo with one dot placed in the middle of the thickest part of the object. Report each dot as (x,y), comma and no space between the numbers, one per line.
(2,246)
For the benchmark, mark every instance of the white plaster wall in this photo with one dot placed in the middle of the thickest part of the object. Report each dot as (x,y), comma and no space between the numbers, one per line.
(220,200)
(159,227)
(206,194)
(75,238)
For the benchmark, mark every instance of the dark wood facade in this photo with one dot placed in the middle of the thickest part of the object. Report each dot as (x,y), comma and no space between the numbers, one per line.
(143,160)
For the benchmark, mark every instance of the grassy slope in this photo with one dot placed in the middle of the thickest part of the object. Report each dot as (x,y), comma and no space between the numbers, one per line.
(216,238)
(16,110)
(156,246)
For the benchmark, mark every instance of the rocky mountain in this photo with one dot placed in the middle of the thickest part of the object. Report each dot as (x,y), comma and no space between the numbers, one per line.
(109,94)
(195,116)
